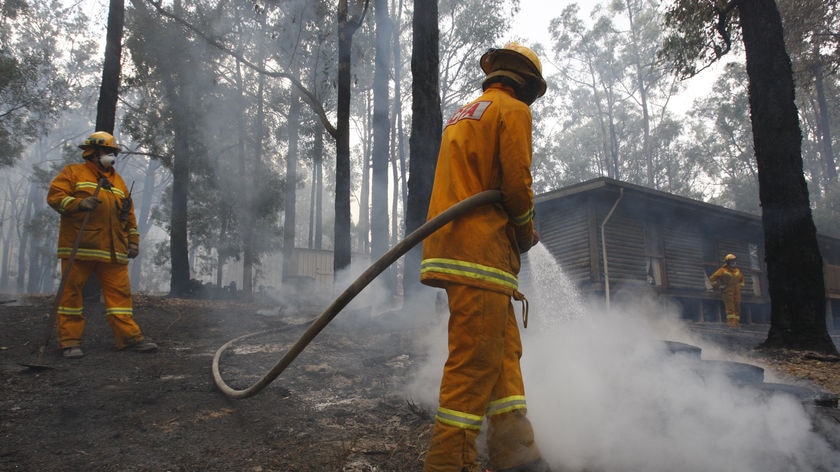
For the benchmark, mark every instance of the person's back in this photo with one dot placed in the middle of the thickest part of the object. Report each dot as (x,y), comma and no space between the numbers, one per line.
(728,280)
(485,145)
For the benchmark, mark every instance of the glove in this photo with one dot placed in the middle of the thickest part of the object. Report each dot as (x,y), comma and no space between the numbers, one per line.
(89,204)
(133,250)
(526,246)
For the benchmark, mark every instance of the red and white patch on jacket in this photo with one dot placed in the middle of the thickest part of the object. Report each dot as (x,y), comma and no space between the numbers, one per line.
(470,111)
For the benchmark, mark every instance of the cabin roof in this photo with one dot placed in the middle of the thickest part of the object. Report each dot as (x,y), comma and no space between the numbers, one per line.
(659,202)
(604,187)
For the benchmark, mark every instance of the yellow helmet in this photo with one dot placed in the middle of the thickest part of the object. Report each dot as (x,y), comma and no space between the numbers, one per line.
(518,63)
(98,140)
(729,257)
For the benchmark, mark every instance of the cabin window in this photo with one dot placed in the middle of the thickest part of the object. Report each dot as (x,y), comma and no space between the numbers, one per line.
(653,250)
(755,261)
(755,265)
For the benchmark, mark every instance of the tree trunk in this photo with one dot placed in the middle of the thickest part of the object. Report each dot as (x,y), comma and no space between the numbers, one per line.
(5,251)
(24,238)
(316,223)
(142,212)
(380,239)
(824,128)
(291,187)
(399,170)
(426,129)
(794,263)
(363,226)
(106,110)
(346,28)
(33,277)
(179,281)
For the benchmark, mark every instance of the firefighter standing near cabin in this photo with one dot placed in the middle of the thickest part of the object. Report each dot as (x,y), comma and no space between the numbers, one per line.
(486,145)
(107,241)
(729,280)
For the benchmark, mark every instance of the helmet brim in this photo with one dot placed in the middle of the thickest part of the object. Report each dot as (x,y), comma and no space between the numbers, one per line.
(507,59)
(89,147)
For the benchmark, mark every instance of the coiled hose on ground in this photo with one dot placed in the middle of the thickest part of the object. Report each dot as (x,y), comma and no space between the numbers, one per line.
(418,235)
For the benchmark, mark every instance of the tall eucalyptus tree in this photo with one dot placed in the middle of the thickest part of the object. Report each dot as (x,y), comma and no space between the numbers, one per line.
(426,128)
(614,97)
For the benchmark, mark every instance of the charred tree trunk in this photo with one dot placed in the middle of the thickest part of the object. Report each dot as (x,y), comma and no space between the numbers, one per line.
(346,28)
(794,263)
(106,110)
(426,128)
(179,281)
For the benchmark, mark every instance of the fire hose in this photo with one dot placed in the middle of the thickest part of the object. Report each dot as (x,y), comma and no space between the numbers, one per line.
(319,323)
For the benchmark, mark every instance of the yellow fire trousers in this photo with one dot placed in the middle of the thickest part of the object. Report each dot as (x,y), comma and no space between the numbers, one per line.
(482,377)
(732,304)
(113,278)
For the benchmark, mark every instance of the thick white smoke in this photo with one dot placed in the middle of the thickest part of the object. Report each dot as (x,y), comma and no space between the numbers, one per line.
(604,394)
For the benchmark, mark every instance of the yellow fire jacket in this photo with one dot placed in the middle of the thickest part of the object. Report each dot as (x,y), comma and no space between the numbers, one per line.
(486,145)
(107,234)
(726,279)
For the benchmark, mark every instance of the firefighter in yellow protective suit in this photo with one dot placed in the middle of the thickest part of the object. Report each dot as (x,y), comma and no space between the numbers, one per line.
(486,145)
(729,280)
(95,190)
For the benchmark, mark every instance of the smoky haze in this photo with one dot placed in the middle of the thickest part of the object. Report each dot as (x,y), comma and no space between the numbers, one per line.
(604,395)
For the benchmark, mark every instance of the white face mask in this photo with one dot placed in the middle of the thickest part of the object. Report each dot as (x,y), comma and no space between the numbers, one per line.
(107,160)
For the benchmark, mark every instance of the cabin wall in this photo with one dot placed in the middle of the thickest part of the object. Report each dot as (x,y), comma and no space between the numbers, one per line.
(671,252)
(625,262)
(564,230)
(668,245)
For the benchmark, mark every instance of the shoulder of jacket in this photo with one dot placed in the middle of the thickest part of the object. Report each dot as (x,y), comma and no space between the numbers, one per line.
(76,168)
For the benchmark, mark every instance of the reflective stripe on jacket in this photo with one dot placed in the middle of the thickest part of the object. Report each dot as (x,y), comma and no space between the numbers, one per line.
(486,145)
(106,236)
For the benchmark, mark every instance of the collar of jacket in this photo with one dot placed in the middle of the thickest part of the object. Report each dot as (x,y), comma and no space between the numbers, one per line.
(506,88)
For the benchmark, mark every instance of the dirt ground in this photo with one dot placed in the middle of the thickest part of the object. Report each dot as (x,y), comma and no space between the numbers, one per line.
(336,408)
(331,410)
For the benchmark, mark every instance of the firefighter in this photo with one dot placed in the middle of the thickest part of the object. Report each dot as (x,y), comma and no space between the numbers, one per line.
(94,193)
(728,280)
(486,145)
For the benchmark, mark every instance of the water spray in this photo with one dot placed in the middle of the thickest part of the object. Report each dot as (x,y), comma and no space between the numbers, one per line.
(319,323)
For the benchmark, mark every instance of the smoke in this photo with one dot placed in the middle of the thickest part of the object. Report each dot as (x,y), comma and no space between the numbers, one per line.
(604,394)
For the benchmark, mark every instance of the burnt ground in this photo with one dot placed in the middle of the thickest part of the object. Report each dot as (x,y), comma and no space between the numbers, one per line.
(336,408)
(331,410)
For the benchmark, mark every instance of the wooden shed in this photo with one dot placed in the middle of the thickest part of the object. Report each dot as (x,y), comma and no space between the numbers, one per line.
(611,236)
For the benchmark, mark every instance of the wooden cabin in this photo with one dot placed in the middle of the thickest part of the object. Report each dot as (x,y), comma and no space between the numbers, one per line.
(611,236)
